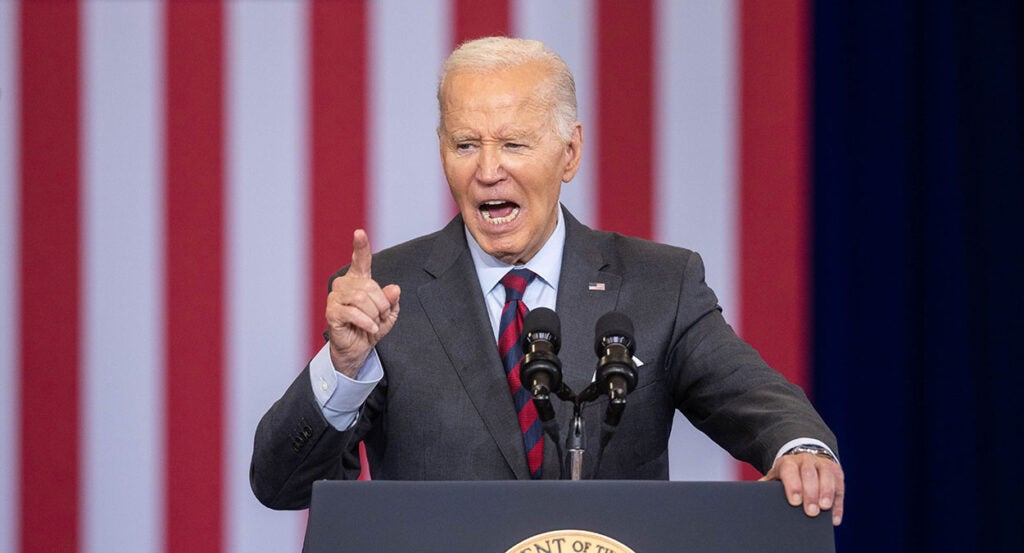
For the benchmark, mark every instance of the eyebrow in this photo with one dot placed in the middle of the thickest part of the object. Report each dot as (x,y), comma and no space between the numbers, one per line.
(509,132)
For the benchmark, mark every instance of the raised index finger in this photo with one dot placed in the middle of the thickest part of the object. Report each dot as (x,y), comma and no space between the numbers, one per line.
(361,255)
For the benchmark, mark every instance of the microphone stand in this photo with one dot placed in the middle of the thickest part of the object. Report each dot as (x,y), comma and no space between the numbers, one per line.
(576,443)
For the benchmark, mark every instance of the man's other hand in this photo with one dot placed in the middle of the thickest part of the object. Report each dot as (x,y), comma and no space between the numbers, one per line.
(812,480)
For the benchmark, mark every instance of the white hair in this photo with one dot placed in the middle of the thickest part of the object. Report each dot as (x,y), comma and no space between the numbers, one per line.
(493,53)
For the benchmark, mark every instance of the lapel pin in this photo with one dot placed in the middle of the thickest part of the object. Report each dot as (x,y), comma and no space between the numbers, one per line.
(596,287)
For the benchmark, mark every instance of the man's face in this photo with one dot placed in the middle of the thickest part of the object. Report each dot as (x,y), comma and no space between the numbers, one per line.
(503,159)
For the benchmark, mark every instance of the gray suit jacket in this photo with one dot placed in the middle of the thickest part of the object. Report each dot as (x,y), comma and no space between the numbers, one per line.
(444,412)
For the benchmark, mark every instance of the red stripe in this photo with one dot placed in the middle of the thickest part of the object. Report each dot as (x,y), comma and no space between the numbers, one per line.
(514,383)
(527,416)
(50,276)
(194,248)
(508,338)
(338,152)
(480,18)
(625,130)
(774,249)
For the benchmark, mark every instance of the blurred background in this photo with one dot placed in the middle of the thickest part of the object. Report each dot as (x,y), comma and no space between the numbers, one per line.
(179,179)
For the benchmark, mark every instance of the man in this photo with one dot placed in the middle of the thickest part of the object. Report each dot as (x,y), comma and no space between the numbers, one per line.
(411,366)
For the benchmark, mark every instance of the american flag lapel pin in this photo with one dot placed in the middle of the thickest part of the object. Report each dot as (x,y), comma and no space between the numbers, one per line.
(596,287)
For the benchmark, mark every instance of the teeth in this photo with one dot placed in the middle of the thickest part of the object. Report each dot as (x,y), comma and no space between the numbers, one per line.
(500,220)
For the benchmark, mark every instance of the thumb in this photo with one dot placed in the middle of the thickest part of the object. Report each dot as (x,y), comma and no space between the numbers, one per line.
(393,293)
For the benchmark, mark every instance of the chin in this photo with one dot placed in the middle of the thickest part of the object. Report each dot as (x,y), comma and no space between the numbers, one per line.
(504,254)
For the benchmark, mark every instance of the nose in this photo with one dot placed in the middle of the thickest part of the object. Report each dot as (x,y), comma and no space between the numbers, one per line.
(489,168)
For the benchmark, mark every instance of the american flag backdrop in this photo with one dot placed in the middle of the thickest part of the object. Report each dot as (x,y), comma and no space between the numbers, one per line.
(179,179)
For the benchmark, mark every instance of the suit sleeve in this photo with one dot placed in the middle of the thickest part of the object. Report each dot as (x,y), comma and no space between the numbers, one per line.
(295,446)
(726,389)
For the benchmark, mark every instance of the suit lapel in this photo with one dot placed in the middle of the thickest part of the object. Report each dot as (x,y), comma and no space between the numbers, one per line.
(587,290)
(453,304)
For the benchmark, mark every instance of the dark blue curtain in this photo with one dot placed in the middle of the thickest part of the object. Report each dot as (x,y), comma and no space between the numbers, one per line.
(918,249)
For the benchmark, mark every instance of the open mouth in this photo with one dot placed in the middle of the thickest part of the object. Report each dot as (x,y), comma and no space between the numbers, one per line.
(498,212)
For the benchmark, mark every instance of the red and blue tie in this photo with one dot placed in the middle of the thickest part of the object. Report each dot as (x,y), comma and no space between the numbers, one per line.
(510,327)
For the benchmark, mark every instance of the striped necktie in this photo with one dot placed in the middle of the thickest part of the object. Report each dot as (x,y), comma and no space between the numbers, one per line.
(510,327)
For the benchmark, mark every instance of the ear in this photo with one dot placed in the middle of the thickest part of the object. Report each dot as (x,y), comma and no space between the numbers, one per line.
(573,152)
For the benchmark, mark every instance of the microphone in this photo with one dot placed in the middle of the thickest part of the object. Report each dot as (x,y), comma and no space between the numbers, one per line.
(616,372)
(541,371)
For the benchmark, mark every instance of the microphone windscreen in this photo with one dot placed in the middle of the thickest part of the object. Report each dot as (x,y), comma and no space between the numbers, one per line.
(611,324)
(542,319)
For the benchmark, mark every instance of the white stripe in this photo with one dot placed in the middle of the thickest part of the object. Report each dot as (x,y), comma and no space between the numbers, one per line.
(695,129)
(8,274)
(408,193)
(122,453)
(695,176)
(568,29)
(267,236)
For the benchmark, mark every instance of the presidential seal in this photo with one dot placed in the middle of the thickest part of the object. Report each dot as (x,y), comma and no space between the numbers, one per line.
(569,541)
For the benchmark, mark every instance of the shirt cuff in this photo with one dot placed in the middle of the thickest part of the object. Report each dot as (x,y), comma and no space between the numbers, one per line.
(339,396)
(804,441)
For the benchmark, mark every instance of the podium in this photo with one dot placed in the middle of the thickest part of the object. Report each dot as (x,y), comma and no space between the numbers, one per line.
(495,516)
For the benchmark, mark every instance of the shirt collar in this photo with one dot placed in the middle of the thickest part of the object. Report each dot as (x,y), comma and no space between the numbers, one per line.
(547,263)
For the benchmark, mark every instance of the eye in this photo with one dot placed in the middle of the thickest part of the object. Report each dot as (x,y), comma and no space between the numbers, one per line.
(515,146)
(464,146)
